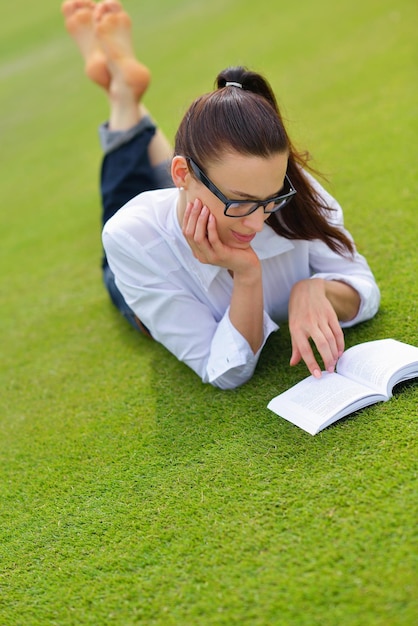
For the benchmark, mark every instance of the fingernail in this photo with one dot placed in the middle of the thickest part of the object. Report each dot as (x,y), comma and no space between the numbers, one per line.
(317,373)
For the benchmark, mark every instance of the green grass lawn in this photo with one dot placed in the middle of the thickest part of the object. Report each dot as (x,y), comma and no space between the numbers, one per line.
(130,493)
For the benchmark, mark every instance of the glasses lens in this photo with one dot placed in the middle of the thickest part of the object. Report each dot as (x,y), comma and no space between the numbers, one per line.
(238,209)
(243,208)
(276,206)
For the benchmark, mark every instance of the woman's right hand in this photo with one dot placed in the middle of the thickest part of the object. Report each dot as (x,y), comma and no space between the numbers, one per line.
(201,233)
(246,306)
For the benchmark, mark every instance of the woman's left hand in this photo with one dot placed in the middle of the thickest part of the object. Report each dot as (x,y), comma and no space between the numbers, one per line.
(312,316)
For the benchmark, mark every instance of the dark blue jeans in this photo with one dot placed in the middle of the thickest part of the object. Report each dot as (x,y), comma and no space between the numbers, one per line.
(126,171)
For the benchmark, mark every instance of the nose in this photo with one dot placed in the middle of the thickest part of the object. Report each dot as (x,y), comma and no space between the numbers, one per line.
(255,221)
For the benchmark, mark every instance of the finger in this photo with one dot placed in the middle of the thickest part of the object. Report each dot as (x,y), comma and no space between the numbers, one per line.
(190,218)
(339,338)
(305,351)
(201,229)
(186,215)
(334,336)
(187,225)
(213,235)
(327,348)
(295,356)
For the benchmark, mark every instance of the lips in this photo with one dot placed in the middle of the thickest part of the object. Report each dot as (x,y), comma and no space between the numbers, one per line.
(243,238)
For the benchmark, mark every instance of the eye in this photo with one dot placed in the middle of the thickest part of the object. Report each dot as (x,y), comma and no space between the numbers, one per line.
(240,208)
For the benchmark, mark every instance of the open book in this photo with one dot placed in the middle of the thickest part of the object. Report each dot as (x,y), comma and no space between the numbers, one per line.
(365,374)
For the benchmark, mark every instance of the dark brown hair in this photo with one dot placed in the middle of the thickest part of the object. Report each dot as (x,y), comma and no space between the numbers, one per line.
(247,120)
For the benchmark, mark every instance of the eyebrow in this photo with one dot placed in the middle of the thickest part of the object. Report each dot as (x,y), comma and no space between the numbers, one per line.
(246,196)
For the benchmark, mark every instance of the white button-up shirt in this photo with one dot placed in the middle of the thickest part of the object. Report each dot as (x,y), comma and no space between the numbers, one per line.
(185,304)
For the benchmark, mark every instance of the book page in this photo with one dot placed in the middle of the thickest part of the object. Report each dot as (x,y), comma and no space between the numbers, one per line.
(375,363)
(315,403)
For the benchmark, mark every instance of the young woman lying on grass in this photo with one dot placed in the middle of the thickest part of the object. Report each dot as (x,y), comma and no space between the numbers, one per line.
(240,236)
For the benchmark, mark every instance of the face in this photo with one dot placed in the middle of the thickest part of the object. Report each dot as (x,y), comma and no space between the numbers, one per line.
(240,177)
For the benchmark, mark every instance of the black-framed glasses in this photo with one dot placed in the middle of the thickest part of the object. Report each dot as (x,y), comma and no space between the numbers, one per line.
(241,208)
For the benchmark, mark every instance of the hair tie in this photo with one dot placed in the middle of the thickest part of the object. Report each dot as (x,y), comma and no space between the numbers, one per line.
(232,84)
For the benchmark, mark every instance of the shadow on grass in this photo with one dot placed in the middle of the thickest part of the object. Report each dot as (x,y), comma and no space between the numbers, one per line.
(193,418)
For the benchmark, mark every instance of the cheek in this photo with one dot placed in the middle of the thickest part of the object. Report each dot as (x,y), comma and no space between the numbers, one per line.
(215,206)
(196,190)
(224,225)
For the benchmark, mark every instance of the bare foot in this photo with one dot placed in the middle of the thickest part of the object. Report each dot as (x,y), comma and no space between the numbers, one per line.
(113,32)
(78,16)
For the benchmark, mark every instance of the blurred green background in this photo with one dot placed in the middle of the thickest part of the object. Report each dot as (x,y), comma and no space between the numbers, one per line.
(130,492)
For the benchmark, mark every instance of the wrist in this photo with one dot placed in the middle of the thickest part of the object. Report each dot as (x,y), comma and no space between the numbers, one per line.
(250,275)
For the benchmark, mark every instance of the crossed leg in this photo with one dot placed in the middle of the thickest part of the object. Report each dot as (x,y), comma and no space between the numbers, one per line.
(102,32)
(79,22)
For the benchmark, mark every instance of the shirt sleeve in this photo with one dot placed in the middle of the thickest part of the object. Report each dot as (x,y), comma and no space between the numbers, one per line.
(154,286)
(232,361)
(353,271)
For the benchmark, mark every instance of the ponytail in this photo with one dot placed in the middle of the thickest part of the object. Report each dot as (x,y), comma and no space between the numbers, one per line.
(249,81)
(242,116)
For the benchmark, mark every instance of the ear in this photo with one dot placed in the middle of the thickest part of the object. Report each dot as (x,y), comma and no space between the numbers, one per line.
(180,171)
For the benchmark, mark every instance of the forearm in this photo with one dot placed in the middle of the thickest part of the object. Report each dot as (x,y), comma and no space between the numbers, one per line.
(345,299)
(247,306)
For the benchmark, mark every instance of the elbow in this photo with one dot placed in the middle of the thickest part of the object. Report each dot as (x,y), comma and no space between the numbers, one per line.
(226,385)
(369,306)
(229,382)
(369,302)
